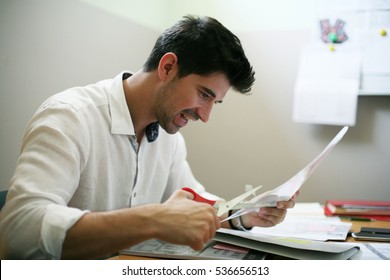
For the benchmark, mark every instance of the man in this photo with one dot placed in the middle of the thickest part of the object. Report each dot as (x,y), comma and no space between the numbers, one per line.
(96,174)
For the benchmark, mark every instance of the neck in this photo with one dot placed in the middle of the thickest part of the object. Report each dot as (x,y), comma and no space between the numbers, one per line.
(139,93)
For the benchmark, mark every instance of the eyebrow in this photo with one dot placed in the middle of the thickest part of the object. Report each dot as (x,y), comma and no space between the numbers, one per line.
(208,91)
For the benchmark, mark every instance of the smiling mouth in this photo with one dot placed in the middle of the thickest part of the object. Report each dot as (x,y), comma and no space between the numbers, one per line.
(189,115)
(185,116)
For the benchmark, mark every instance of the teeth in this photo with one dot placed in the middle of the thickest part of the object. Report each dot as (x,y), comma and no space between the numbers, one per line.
(184,118)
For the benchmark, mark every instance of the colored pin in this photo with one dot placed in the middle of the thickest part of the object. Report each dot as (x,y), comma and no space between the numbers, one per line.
(332,37)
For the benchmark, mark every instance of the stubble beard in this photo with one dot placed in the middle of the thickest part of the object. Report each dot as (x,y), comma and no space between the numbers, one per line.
(163,107)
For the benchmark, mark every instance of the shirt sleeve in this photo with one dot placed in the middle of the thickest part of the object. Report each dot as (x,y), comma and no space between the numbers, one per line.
(36,217)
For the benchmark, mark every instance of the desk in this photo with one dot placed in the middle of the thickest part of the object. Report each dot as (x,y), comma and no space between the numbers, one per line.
(356,225)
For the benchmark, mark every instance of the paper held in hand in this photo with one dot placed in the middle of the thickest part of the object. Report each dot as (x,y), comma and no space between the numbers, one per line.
(289,188)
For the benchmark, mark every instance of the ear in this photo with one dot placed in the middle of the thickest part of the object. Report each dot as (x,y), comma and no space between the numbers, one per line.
(167,68)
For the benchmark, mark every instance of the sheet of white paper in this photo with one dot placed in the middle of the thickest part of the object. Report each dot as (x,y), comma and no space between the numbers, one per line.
(320,229)
(374,250)
(308,210)
(327,86)
(288,189)
(376,54)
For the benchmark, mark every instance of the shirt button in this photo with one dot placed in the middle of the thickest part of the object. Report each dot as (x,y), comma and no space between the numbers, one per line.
(135,194)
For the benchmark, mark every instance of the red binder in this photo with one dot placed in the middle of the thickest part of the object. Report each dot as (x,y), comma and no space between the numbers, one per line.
(376,210)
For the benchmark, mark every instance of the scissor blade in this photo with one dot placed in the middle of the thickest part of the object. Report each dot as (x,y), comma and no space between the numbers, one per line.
(229,205)
(266,201)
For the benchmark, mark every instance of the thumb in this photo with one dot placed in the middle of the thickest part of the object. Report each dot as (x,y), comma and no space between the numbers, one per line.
(180,194)
(186,194)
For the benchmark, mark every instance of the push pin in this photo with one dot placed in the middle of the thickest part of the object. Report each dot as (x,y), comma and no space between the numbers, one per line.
(332,48)
(332,37)
(383,32)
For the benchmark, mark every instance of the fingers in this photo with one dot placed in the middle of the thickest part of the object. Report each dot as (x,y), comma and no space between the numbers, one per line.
(288,204)
(183,194)
(206,230)
(295,195)
(179,195)
(187,222)
(197,246)
(272,216)
(269,216)
(211,222)
(285,204)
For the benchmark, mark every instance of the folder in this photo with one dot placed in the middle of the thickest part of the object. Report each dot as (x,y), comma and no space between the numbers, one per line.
(370,209)
(291,248)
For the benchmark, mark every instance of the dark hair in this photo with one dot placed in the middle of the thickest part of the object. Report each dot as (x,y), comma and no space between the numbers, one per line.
(204,46)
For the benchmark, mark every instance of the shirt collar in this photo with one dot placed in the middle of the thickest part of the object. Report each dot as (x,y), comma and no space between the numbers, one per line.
(121,122)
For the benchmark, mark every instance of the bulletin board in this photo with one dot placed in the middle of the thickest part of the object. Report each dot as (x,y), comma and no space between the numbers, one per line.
(348,56)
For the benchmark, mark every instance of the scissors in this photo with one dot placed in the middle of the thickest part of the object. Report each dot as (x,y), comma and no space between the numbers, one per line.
(224,206)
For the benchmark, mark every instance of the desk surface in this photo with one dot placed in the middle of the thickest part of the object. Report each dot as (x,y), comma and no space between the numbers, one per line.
(356,225)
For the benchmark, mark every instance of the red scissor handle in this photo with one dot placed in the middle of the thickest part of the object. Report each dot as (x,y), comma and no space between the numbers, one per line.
(199,198)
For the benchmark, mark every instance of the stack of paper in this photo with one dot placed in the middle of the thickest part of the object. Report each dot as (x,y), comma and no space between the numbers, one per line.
(301,235)
(303,249)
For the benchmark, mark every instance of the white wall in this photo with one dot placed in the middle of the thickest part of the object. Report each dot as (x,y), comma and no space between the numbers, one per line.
(238,15)
(47,46)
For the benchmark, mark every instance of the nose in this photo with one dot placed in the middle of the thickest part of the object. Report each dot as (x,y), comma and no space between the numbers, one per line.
(204,112)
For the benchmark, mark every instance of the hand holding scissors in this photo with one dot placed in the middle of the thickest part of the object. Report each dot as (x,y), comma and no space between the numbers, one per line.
(224,206)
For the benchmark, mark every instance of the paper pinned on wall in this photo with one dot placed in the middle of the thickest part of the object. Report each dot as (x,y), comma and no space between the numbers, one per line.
(327,86)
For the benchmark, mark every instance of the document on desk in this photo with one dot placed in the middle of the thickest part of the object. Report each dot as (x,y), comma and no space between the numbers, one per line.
(308,221)
(295,248)
(287,190)
(313,229)
(374,251)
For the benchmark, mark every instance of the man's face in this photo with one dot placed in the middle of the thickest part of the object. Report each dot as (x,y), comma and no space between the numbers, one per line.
(189,98)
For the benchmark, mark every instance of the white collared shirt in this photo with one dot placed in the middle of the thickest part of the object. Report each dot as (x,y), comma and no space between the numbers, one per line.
(77,157)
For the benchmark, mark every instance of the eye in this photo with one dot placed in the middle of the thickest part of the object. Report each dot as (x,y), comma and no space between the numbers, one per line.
(204,95)
(218,102)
